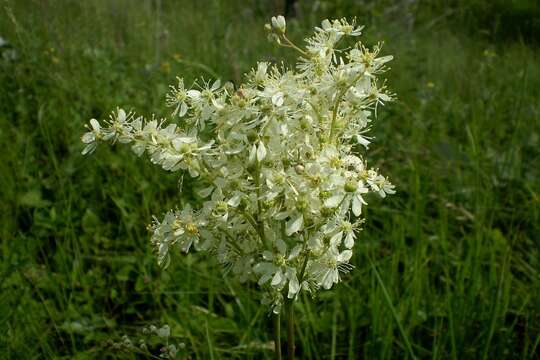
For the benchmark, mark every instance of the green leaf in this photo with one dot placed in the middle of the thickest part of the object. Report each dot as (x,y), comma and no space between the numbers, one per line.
(33,198)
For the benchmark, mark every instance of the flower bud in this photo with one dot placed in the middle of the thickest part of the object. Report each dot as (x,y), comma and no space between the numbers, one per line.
(278,24)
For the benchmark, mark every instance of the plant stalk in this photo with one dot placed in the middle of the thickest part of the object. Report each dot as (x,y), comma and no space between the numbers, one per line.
(277,336)
(290,329)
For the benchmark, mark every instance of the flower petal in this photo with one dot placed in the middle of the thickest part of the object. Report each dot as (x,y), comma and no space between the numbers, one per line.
(294,225)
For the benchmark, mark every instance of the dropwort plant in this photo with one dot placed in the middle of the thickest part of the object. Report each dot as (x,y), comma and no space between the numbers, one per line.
(278,161)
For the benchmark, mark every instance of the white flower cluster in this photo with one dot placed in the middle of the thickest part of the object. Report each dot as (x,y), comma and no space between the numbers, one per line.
(281,180)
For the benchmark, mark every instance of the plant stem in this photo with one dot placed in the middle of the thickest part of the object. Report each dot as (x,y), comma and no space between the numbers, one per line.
(277,336)
(290,329)
(292,45)
(260,224)
(338,100)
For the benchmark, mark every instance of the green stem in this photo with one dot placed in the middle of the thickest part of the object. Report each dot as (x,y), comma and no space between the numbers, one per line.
(290,329)
(260,223)
(303,270)
(336,105)
(277,336)
(232,242)
(392,309)
(254,225)
(293,46)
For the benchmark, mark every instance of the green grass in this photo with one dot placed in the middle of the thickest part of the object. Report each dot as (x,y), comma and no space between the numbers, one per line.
(447,268)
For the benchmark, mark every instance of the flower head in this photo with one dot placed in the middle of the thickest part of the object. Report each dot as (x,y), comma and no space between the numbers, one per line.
(282,181)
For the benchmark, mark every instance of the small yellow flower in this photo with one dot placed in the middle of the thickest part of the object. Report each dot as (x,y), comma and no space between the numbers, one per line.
(430,85)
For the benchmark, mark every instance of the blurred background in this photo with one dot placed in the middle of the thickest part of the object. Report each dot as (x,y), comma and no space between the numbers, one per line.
(457,248)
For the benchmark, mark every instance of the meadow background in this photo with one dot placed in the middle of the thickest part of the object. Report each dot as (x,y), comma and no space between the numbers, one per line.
(448,268)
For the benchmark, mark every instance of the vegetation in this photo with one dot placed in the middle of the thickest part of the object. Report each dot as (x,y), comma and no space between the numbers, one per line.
(448,266)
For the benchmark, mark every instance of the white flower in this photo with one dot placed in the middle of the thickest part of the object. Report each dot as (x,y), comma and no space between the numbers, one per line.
(380,184)
(280,184)
(347,191)
(177,98)
(177,228)
(341,27)
(277,268)
(326,269)
(164,331)
(91,137)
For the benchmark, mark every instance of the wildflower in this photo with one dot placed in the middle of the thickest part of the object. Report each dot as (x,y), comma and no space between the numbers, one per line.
(280,183)
(177,98)
(277,267)
(327,268)
(348,191)
(91,137)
